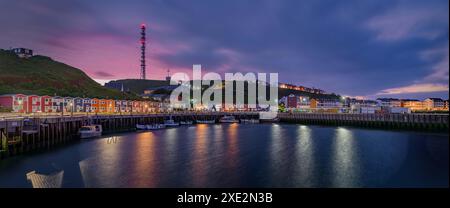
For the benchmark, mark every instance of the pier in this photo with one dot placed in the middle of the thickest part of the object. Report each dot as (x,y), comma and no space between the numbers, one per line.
(21,135)
(417,122)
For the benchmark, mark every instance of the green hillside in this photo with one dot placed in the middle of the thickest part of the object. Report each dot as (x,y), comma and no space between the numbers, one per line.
(41,75)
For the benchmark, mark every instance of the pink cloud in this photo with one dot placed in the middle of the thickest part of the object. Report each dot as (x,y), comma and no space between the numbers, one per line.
(415,88)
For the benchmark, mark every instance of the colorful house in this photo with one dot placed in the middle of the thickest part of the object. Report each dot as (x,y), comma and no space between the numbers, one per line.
(117,106)
(136,106)
(16,102)
(58,104)
(87,105)
(68,104)
(78,104)
(95,105)
(102,105)
(129,106)
(46,104)
(110,106)
(34,104)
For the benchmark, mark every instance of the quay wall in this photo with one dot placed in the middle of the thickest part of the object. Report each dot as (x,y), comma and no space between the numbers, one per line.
(417,122)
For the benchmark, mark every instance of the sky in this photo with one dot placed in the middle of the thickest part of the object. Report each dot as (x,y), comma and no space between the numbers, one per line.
(359,48)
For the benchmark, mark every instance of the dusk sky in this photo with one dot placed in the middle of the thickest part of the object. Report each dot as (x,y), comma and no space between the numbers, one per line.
(370,48)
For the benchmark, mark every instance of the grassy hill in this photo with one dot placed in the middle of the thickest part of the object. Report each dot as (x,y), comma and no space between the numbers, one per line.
(41,75)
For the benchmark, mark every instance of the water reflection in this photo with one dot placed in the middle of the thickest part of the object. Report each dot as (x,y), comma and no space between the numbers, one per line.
(100,170)
(144,160)
(199,161)
(224,155)
(277,155)
(233,146)
(345,159)
(170,140)
(304,170)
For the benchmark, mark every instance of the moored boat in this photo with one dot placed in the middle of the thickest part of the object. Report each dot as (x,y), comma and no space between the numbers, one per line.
(90,131)
(228,119)
(170,123)
(250,121)
(270,117)
(141,127)
(205,121)
(186,122)
(156,126)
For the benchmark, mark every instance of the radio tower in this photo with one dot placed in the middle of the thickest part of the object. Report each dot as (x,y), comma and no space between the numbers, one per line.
(142,51)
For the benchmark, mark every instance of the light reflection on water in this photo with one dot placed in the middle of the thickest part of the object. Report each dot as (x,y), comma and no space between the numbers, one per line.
(237,155)
(304,169)
(345,159)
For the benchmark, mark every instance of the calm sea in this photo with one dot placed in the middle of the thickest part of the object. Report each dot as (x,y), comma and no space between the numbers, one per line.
(242,155)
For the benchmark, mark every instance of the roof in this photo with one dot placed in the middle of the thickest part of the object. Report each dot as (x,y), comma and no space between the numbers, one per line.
(410,100)
(388,99)
(436,99)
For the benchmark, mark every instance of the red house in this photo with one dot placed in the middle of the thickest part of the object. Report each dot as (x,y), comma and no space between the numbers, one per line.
(16,102)
(46,104)
(34,104)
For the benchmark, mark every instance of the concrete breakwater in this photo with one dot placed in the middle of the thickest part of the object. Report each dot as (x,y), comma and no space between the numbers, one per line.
(419,122)
(21,135)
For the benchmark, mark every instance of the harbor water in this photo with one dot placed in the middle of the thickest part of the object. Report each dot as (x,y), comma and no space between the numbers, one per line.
(239,155)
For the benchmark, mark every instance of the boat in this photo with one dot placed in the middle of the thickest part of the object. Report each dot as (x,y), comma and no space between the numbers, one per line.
(90,131)
(186,122)
(141,127)
(150,127)
(156,126)
(205,121)
(270,117)
(171,123)
(228,119)
(250,121)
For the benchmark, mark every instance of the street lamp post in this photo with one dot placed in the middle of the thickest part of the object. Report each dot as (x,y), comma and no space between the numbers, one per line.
(71,109)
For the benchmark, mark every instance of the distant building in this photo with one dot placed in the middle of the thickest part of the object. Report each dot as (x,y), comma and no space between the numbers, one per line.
(46,104)
(389,102)
(78,104)
(22,52)
(434,104)
(292,102)
(414,105)
(362,106)
(326,105)
(34,104)
(16,102)
(115,85)
(300,88)
(58,104)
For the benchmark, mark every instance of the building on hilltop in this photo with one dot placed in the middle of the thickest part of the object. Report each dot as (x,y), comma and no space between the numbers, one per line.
(115,85)
(22,52)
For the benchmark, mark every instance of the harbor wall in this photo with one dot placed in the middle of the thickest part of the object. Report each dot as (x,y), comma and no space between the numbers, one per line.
(416,122)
